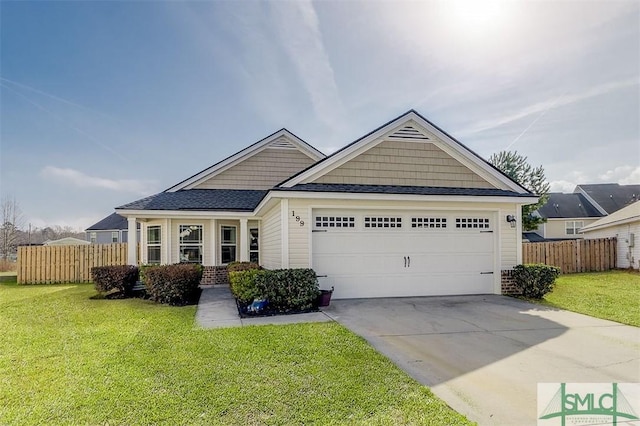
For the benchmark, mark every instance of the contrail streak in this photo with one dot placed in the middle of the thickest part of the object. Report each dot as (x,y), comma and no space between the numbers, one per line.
(61,120)
(542,114)
(57,98)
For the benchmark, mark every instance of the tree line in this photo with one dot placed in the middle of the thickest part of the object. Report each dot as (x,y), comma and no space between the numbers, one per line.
(15,232)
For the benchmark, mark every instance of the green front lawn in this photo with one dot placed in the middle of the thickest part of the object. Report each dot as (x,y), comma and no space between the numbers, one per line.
(612,295)
(67,359)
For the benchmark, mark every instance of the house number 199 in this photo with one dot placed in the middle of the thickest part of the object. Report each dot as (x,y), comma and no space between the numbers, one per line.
(301,222)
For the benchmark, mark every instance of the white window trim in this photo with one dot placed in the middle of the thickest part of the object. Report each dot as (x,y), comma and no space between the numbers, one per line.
(223,244)
(154,244)
(572,224)
(257,228)
(93,237)
(191,244)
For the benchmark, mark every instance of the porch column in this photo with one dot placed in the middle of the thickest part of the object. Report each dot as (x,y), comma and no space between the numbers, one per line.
(244,240)
(132,241)
(213,244)
(167,242)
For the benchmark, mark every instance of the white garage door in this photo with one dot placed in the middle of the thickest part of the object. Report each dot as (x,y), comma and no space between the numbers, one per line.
(394,254)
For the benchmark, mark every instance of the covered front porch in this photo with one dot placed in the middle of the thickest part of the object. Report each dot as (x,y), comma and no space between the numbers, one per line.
(211,242)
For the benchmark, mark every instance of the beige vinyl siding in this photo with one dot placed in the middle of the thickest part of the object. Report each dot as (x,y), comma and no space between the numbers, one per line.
(270,239)
(508,238)
(555,228)
(299,236)
(626,256)
(263,170)
(405,163)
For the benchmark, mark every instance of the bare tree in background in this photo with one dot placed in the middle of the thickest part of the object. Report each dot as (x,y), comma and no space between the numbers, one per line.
(12,220)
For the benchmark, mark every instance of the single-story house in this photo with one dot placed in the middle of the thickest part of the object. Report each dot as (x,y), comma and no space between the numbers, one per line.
(111,229)
(67,241)
(566,214)
(405,210)
(623,224)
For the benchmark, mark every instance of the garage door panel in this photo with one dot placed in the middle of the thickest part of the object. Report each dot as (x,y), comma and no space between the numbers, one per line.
(352,242)
(445,262)
(347,263)
(434,284)
(405,261)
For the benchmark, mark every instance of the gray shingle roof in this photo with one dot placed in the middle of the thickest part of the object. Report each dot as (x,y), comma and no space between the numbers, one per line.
(111,222)
(200,199)
(397,189)
(567,206)
(612,196)
(532,237)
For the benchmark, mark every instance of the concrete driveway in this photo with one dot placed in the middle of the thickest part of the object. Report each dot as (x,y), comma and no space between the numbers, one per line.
(485,355)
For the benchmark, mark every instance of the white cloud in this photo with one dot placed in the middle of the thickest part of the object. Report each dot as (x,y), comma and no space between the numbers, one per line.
(300,34)
(82,180)
(624,175)
(561,186)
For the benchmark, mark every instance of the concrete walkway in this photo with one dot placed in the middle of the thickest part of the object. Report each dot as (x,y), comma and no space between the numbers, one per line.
(217,309)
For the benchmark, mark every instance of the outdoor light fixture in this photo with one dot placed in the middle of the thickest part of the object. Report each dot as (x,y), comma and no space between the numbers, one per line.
(512,220)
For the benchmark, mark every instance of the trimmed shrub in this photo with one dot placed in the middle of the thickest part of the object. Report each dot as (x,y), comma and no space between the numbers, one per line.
(117,277)
(285,289)
(290,289)
(242,266)
(144,269)
(535,280)
(175,285)
(243,285)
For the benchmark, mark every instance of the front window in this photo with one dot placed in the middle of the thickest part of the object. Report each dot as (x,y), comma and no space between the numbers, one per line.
(154,241)
(228,244)
(114,236)
(572,227)
(93,237)
(191,243)
(254,253)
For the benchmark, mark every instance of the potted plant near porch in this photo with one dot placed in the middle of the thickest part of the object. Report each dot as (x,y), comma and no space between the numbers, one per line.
(325,297)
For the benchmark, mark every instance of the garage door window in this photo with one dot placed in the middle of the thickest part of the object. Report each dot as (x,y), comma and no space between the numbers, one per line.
(335,222)
(382,222)
(428,222)
(472,222)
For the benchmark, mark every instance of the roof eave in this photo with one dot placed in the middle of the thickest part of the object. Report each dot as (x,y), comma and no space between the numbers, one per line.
(200,213)
(520,200)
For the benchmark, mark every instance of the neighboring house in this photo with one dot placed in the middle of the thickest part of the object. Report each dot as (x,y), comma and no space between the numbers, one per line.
(68,241)
(609,197)
(566,214)
(406,210)
(111,229)
(623,224)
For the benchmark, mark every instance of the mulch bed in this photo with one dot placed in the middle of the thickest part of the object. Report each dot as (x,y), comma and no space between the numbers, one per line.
(242,311)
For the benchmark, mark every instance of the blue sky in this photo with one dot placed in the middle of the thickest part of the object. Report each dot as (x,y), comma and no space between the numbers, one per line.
(103,103)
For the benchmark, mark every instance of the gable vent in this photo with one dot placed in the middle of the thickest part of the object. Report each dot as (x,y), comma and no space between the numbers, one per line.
(282,143)
(409,132)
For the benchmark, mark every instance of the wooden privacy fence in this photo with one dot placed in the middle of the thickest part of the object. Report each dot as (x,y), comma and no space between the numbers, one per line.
(66,264)
(573,255)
